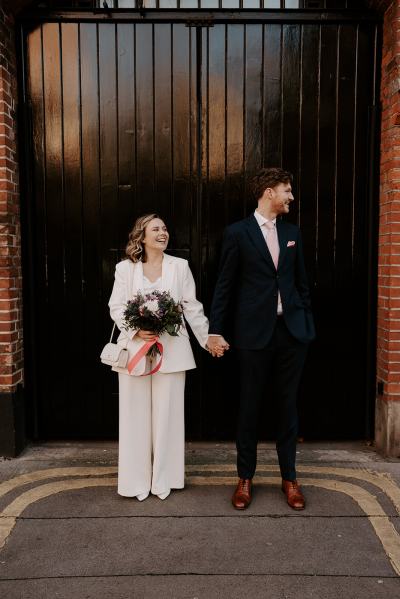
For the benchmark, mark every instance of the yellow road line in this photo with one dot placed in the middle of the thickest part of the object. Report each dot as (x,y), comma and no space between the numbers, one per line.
(381,524)
(7,523)
(38,475)
(10,514)
(384,529)
(379,479)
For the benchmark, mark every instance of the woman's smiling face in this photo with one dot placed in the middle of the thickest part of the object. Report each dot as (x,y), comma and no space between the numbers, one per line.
(156,235)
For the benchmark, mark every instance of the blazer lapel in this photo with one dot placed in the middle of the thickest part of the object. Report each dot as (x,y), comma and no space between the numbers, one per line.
(254,231)
(137,284)
(282,238)
(137,278)
(167,276)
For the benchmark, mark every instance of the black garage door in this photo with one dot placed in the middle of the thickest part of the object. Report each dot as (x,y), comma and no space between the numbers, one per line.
(125,117)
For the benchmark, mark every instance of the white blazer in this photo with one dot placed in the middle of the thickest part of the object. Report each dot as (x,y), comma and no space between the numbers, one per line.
(178,280)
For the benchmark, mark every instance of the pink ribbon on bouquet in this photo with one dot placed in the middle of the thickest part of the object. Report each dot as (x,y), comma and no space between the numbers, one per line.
(142,352)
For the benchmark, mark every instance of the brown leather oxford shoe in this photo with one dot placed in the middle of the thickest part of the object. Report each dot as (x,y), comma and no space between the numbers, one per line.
(242,496)
(294,496)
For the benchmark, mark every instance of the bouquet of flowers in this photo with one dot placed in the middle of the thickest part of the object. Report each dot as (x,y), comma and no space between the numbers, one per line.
(156,311)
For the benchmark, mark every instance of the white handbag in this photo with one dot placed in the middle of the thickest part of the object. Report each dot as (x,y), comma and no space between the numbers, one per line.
(113,354)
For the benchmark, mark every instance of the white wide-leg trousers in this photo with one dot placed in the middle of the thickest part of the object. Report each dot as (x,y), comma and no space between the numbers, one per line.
(151,454)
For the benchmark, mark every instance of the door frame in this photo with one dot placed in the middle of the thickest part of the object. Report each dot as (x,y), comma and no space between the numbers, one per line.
(194,18)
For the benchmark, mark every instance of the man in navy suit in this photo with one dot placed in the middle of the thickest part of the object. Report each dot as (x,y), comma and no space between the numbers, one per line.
(262,278)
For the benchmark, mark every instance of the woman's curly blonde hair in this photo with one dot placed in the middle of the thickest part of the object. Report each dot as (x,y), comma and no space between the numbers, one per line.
(135,248)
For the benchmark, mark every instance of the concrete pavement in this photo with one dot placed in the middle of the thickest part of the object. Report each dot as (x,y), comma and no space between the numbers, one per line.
(65,533)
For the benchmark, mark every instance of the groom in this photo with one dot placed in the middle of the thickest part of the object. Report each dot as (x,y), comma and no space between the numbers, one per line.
(263,278)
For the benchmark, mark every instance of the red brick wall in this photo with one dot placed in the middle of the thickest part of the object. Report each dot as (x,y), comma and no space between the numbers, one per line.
(388,346)
(11,358)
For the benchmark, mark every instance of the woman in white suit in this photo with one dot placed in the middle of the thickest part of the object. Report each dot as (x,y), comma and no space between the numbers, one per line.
(151,408)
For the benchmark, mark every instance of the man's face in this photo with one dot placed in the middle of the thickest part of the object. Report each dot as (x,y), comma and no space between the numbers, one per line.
(280,198)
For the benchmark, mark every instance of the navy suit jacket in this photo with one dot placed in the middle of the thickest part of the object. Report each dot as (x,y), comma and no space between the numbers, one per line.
(248,285)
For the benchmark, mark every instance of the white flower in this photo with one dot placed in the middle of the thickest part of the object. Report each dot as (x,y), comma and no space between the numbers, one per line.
(152,306)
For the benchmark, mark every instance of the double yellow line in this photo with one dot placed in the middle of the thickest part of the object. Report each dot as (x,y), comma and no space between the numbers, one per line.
(208,474)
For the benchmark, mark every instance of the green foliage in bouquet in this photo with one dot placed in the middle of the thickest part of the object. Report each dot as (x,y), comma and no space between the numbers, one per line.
(156,311)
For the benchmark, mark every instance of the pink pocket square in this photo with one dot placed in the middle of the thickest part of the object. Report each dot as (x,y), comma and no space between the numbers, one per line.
(290,244)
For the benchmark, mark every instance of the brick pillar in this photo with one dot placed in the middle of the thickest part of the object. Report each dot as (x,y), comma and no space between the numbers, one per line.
(12,433)
(387,416)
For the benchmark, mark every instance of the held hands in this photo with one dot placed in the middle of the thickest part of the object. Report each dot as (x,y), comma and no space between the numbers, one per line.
(216,345)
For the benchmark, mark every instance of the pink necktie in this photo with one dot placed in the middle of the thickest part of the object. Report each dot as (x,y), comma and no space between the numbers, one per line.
(272,242)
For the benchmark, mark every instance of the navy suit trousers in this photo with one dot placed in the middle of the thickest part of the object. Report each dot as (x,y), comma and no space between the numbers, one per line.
(270,374)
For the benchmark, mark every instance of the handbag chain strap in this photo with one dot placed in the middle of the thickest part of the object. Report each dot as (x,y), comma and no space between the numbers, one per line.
(112,333)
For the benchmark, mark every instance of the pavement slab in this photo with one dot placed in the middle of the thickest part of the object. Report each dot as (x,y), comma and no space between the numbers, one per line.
(187,545)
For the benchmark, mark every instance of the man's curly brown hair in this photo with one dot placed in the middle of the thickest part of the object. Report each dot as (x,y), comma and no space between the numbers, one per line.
(269,177)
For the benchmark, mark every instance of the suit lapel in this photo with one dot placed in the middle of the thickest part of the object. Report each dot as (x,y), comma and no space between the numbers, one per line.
(137,282)
(167,275)
(254,232)
(282,238)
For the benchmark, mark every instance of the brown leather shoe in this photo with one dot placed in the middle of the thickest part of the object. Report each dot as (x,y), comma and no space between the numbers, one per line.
(294,496)
(242,496)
